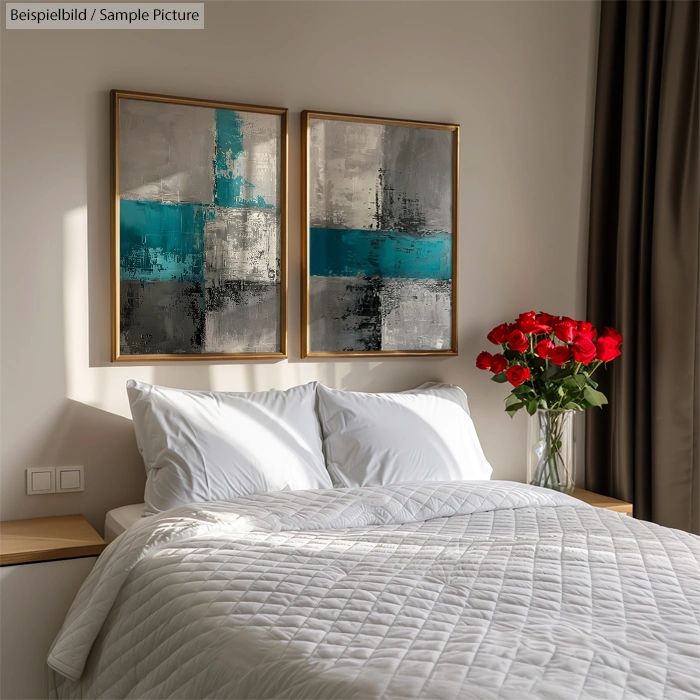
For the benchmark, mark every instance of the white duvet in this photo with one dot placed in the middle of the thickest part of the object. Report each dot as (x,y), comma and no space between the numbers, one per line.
(433,590)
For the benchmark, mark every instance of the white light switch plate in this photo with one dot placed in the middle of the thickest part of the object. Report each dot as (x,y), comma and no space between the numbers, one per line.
(70,479)
(41,480)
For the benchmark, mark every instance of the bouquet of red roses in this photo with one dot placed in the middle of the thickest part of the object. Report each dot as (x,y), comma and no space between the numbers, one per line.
(549,360)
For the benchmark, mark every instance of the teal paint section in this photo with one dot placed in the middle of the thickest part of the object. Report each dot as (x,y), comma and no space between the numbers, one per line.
(232,190)
(162,242)
(353,252)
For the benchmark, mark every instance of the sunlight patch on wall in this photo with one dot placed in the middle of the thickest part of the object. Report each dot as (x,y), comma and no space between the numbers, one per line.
(94,386)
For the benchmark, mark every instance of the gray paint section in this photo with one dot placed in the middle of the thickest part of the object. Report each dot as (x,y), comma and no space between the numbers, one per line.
(344,164)
(159,317)
(247,321)
(416,314)
(166,152)
(335,321)
(347,160)
(168,317)
(418,166)
(412,314)
(242,244)
(242,274)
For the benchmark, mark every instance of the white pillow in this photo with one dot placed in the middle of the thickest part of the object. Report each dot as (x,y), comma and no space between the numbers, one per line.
(452,392)
(379,439)
(208,446)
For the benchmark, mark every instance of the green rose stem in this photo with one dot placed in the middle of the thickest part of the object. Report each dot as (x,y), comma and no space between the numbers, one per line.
(547,473)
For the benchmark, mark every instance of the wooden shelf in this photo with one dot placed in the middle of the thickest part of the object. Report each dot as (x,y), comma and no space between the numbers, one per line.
(606,502)
(48,539)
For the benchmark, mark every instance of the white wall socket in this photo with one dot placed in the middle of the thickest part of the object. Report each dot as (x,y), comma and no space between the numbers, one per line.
(69,479)
(41,480)
(55,480)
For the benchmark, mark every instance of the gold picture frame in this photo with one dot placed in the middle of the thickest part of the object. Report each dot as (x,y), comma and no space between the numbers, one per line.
(306,343)
(280,352)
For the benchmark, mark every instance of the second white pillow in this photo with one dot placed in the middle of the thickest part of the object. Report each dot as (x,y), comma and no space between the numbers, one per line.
(380,439)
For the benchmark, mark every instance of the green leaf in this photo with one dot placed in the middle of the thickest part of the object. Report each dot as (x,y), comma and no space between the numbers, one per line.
(569,383)
(591,382)
(512,410)
(532,407)
(555,372)
(575,381)
(550,371)
(594,398)
(571,406)
(499,378)
(511,400)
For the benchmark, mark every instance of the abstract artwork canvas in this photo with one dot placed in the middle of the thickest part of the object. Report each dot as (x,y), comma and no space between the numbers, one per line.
(199,229)
(379,212)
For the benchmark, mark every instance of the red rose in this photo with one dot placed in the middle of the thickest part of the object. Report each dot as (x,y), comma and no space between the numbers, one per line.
(612,333)
(607,348)
(586,330)
(498,363)
(560,355)
(499,334)
(484,360)
(517,374)
(517,340)
(547,320)
(584,349)
(544,348)
(528,323)
(525,319)
(565,330)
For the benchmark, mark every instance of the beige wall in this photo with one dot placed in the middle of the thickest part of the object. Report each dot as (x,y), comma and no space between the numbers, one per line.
(519,79)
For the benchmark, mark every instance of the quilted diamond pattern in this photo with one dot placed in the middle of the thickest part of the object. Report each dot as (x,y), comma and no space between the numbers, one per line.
(470,590)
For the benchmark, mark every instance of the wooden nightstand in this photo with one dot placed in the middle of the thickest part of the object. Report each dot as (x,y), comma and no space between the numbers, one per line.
(606,502)
(43,563)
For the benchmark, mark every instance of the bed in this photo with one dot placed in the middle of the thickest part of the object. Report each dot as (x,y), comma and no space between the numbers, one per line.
(422,590)
(120,519)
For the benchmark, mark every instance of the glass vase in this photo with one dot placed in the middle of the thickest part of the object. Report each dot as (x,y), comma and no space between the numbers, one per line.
(551,456)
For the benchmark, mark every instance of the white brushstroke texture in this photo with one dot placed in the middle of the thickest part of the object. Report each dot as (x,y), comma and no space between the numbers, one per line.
(242,244)
(259,163)
(345,161)
(416,314)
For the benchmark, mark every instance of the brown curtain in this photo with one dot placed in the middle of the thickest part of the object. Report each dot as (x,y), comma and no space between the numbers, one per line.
(644,260)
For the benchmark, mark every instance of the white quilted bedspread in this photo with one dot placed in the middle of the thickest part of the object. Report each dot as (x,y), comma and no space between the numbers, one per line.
(432,590)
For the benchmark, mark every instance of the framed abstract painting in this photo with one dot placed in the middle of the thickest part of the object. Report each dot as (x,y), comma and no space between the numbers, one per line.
(199,216)
(379,235)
